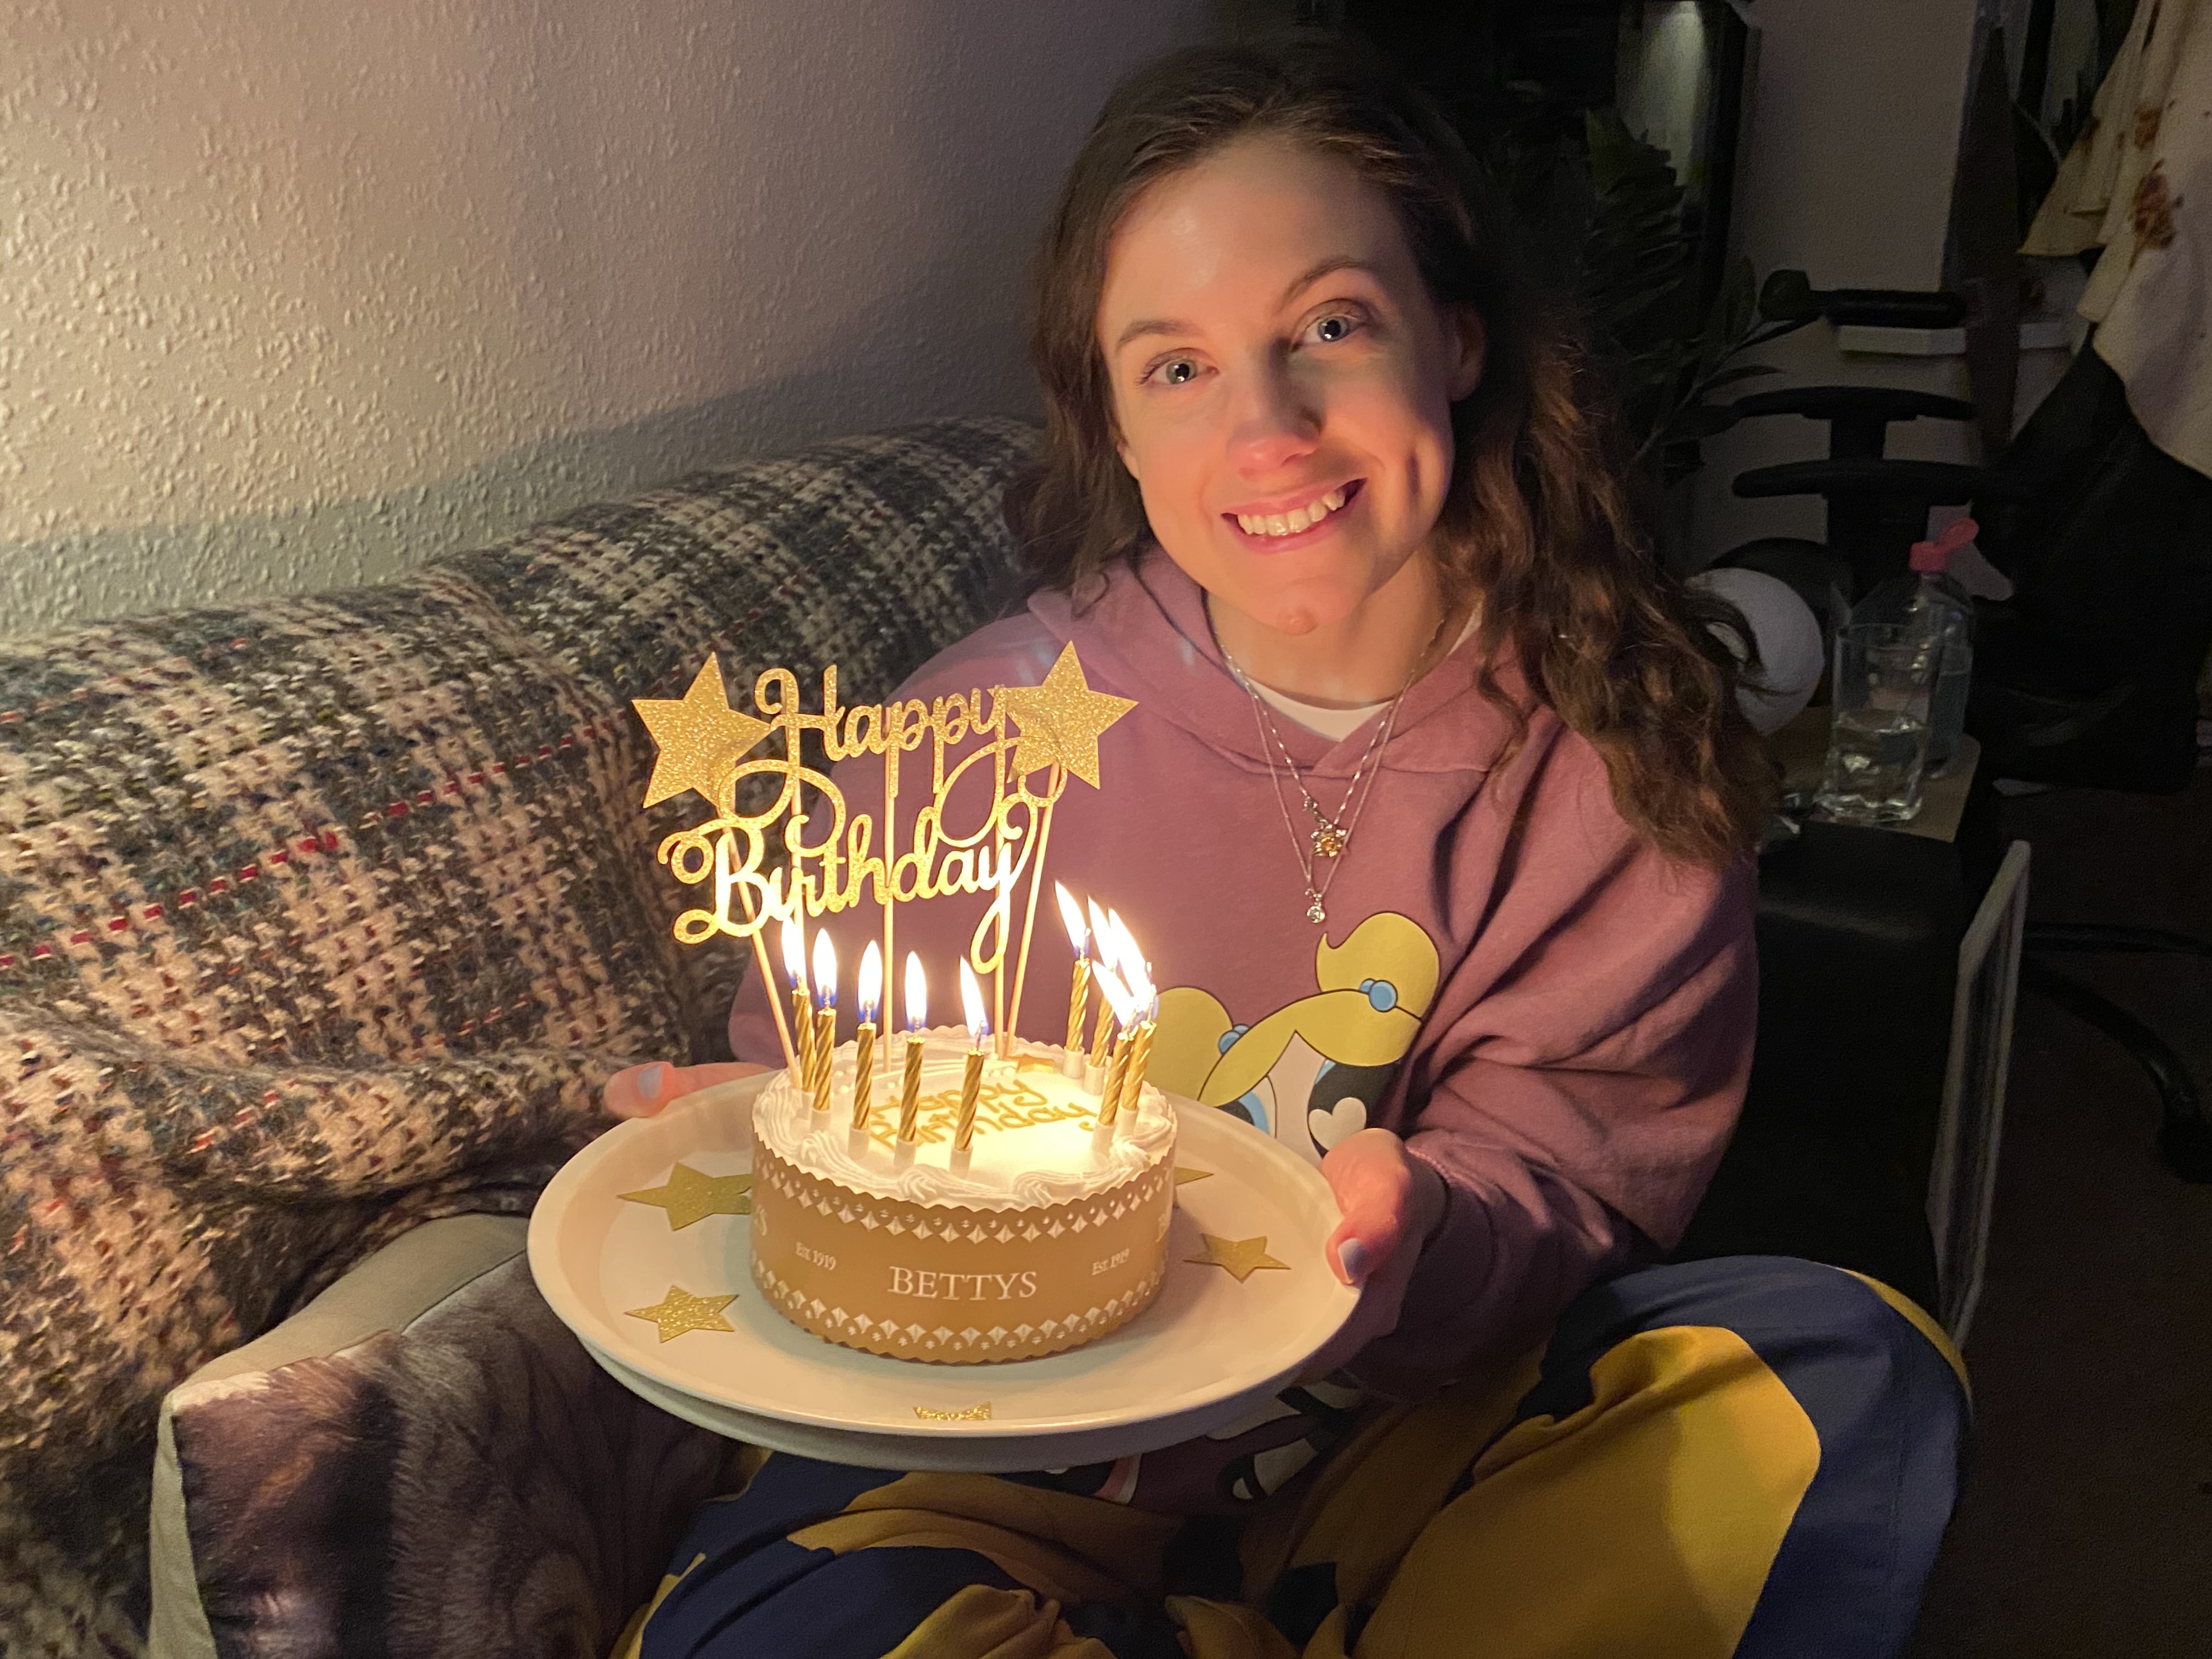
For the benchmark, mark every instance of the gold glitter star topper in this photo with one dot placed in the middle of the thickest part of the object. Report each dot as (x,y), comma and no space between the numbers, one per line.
(833,857)
(699,737)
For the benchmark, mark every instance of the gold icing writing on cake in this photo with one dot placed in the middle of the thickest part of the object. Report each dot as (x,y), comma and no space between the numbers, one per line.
(1004,1104)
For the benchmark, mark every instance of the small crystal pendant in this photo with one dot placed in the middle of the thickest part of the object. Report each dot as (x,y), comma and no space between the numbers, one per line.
(1316,914)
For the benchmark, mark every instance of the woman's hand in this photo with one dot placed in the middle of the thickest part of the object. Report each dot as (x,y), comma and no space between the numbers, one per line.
(1391,1204)
(641,1091)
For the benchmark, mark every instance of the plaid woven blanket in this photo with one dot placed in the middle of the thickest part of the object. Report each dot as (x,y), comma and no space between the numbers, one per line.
(322,918)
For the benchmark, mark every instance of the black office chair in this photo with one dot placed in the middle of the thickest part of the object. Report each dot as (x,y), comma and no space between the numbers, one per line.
(2086,677)
(1877,507)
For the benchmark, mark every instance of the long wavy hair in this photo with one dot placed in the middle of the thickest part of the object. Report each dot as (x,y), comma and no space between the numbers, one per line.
(1536,521)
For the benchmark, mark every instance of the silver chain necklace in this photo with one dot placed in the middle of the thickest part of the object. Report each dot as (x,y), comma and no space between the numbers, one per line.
(1332,836)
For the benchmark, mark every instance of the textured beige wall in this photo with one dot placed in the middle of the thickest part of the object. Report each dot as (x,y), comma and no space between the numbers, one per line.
(301,295)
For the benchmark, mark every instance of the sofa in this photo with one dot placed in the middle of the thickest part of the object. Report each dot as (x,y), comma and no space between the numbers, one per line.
(322,920)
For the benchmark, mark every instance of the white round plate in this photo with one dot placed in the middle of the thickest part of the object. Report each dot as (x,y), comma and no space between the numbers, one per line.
(1208,1349)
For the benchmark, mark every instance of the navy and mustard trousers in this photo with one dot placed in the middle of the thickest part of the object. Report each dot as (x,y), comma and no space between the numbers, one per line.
(1751,1456)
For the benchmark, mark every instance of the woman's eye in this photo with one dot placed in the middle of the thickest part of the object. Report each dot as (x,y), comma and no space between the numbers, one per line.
(1176,371)
(1335,327)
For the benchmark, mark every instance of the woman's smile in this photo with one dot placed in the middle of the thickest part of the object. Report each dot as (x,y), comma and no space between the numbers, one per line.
(1298,520)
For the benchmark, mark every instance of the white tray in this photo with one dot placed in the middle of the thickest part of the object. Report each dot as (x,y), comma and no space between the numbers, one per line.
(1208,1349)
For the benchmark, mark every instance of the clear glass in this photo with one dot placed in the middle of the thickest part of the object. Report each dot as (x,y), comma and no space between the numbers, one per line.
(1884,680)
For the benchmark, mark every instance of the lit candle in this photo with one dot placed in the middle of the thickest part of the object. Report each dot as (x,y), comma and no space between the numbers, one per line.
(1125,1012)
(1117,1070)
(978,1029)
(864,1036)
(1111,993)
(825,1019)
(1079,989)
(802,1009)
(1109,1095)
(917,1016)
(1140,1058)
(1137,1032)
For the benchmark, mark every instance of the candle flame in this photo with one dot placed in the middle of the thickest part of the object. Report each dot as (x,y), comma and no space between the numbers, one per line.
(872,981)
(1142,995)
(1070,917)
(1120,948)
(971,1004)
(794,954)
(1101,940)
(1118,997)
(917,993)
(825,970)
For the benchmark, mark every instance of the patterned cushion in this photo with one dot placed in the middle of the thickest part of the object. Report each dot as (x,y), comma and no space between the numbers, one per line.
(424,1462)
(323,917)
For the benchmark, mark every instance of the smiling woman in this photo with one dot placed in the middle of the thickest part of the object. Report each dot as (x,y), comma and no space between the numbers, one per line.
(1318,496)
(1272,286)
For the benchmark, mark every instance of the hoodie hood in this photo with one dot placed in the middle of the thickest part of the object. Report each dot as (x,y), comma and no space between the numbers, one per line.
(1147,635)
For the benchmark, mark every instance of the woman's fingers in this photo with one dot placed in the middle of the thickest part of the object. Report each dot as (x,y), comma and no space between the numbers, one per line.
(1369,1174)
(1390,1203)
(641,1091)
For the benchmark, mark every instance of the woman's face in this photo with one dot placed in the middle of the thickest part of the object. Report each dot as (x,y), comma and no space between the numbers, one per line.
(1283,381)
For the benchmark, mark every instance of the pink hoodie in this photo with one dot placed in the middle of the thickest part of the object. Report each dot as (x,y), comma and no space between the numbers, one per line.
(1557,1018)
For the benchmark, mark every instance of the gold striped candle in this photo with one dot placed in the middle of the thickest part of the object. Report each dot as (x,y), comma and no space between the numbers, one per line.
(1078,1003)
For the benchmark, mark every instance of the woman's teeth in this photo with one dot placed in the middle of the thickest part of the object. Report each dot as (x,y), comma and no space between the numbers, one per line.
(1289,524)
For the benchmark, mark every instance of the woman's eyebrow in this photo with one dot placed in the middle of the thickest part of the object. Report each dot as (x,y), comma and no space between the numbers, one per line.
(1335,262)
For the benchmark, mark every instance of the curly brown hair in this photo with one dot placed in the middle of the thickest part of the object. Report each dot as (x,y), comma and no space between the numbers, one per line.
(1536,521)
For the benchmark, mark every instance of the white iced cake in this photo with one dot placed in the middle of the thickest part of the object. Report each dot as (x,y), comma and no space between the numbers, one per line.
(1046,1236)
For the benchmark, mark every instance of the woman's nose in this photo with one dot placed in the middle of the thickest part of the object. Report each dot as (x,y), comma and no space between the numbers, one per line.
(1271,423)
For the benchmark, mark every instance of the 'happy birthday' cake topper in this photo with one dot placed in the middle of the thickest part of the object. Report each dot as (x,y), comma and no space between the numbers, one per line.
(834,858)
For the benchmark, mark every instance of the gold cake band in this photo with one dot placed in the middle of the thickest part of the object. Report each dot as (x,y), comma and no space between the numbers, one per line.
(942,1282)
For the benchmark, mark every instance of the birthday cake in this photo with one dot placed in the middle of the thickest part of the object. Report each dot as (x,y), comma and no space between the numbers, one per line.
(1047,1233)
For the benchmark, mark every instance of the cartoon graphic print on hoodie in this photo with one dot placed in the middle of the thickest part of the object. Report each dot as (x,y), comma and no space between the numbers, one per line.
(1554,1016)
(1314,1070)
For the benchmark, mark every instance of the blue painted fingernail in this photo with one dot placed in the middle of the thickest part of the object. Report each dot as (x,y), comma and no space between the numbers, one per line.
(1353,1254)
(649,1081)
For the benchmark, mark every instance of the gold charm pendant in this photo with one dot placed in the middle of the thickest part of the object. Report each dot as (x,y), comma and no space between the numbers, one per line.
(1329,837)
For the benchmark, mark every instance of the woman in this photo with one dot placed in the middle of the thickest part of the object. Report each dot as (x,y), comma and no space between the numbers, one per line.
(1417,722)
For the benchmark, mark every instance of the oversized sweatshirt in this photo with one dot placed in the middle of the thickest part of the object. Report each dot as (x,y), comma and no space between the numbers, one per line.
(1556,1017)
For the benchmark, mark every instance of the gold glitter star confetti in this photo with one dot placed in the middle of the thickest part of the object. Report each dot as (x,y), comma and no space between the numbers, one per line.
(701,737)
(1185,1176)
(1242,1257)
(1061,719)
(680,1311)
(690,1196)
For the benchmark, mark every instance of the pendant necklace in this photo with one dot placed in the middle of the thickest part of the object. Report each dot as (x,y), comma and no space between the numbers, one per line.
(1331,836)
